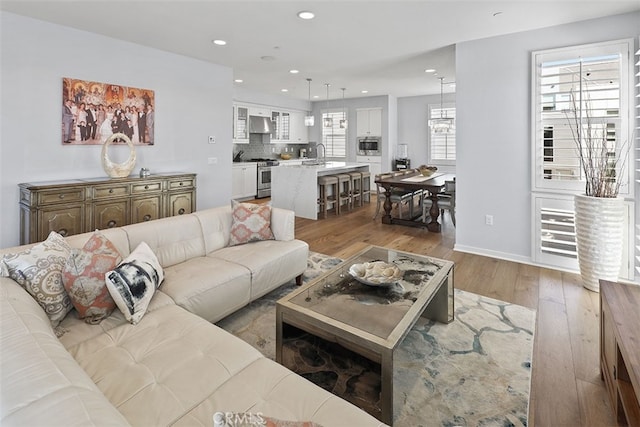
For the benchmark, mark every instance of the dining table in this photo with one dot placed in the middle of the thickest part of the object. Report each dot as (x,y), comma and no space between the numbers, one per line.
(433,184)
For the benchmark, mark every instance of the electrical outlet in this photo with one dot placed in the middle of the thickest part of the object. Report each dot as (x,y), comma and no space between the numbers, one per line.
(488,219)
(212,139)
(212,160)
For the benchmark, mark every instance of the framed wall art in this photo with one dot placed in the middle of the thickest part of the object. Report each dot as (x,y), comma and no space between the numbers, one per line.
(93,111)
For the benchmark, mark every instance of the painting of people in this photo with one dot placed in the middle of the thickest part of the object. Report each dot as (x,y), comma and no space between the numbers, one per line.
(93,111)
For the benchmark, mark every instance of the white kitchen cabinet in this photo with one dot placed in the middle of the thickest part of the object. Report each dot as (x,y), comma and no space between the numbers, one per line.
(375,167)
(369,121)
(281,126)
(299,133)
(240,124)
(260,111)
(244,180)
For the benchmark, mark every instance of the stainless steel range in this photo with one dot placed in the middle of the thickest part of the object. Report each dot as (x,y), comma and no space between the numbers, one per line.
(264,176)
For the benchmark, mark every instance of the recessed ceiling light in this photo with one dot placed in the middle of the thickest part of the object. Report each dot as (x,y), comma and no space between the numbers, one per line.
(430,70)
(219,42)
(238,80)
(268,58)
(284,90)
(294,71)
(316,96)
(364,91)
(305,14)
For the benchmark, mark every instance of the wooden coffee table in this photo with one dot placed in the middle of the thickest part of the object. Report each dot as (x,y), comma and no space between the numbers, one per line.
(370,321)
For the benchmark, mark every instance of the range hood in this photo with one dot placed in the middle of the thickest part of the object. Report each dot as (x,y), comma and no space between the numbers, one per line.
(258,124)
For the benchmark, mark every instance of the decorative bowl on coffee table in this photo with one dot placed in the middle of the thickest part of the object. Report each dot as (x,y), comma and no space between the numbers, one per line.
(376,273)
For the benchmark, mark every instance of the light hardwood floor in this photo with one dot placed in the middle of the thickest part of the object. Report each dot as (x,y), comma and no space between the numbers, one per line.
(566,389)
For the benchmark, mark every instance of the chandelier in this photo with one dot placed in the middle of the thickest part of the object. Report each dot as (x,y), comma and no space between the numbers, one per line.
(328,121)
(443,124)
(343,121)
(309,120)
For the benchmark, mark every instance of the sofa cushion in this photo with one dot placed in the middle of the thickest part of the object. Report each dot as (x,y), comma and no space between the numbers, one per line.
(157,370)
(39,271)
(76,330)
(278,393)
(209,287)
(174,239)
(41,382)
(272,263)
(83,278)
(215,224)
(133,282)
(250,222)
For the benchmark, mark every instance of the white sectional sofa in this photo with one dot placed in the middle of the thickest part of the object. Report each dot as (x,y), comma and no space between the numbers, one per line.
(174,367)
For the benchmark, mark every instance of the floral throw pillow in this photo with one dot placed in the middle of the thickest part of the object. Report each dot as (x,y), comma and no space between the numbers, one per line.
(250,223)
(39,271)
(83,278)
(133,282)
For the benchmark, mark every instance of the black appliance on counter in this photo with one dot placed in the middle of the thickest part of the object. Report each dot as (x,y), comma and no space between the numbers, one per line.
(401,164)
(264,176)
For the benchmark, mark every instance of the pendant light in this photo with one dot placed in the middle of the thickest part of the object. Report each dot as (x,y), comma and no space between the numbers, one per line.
(343,122)
(310,119)
(443,124)
(328,121)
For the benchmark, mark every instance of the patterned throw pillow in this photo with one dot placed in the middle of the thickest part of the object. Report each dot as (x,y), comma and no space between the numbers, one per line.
(83,278)
(39,271)
(134,281)
(250,223)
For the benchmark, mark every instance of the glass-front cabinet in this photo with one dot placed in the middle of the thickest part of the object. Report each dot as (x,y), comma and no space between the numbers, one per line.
(240,124)
(281,126)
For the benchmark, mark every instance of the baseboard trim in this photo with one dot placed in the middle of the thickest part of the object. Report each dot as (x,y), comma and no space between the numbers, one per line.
(508,257)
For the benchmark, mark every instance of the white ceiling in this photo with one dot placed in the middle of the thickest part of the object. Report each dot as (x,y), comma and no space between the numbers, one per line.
(382,46)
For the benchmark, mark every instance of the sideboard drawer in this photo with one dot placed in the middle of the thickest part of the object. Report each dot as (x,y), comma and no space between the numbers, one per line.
(101,192)
(61,196)
(146,187)
(181,183)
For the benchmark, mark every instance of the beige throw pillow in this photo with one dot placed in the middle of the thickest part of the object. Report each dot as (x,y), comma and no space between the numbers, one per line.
(39,271)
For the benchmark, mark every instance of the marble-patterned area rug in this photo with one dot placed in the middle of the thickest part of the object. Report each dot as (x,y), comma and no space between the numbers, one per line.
(475,371)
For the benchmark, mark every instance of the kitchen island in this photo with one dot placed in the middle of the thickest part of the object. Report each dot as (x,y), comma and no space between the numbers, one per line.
(295,187)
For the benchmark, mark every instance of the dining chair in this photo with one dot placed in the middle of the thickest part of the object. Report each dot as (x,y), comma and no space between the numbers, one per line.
(397,197)
(446,201)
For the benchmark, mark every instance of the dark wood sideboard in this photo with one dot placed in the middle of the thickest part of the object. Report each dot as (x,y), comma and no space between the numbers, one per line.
(81,205)
(620,349)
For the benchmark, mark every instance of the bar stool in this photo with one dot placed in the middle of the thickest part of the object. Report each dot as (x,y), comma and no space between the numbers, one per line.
(366,186)
(325,199)
(344,188)
(356,188)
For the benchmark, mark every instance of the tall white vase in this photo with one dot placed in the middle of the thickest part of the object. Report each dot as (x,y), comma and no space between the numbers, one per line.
(599,234)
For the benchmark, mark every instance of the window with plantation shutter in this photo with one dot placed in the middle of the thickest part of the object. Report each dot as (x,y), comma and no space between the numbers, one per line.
(576,90)
(442,146)
(334,137)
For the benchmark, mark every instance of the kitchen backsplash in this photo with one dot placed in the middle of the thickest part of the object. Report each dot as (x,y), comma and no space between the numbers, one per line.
(258,150)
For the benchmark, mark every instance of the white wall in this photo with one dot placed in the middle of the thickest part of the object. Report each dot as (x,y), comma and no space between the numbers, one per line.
(193,100)
(493,131)
(413,126)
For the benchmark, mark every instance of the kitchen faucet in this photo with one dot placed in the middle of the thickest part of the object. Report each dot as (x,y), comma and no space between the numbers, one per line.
(324,152)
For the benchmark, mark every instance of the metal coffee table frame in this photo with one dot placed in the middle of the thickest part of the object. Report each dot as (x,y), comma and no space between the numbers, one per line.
(434,301)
